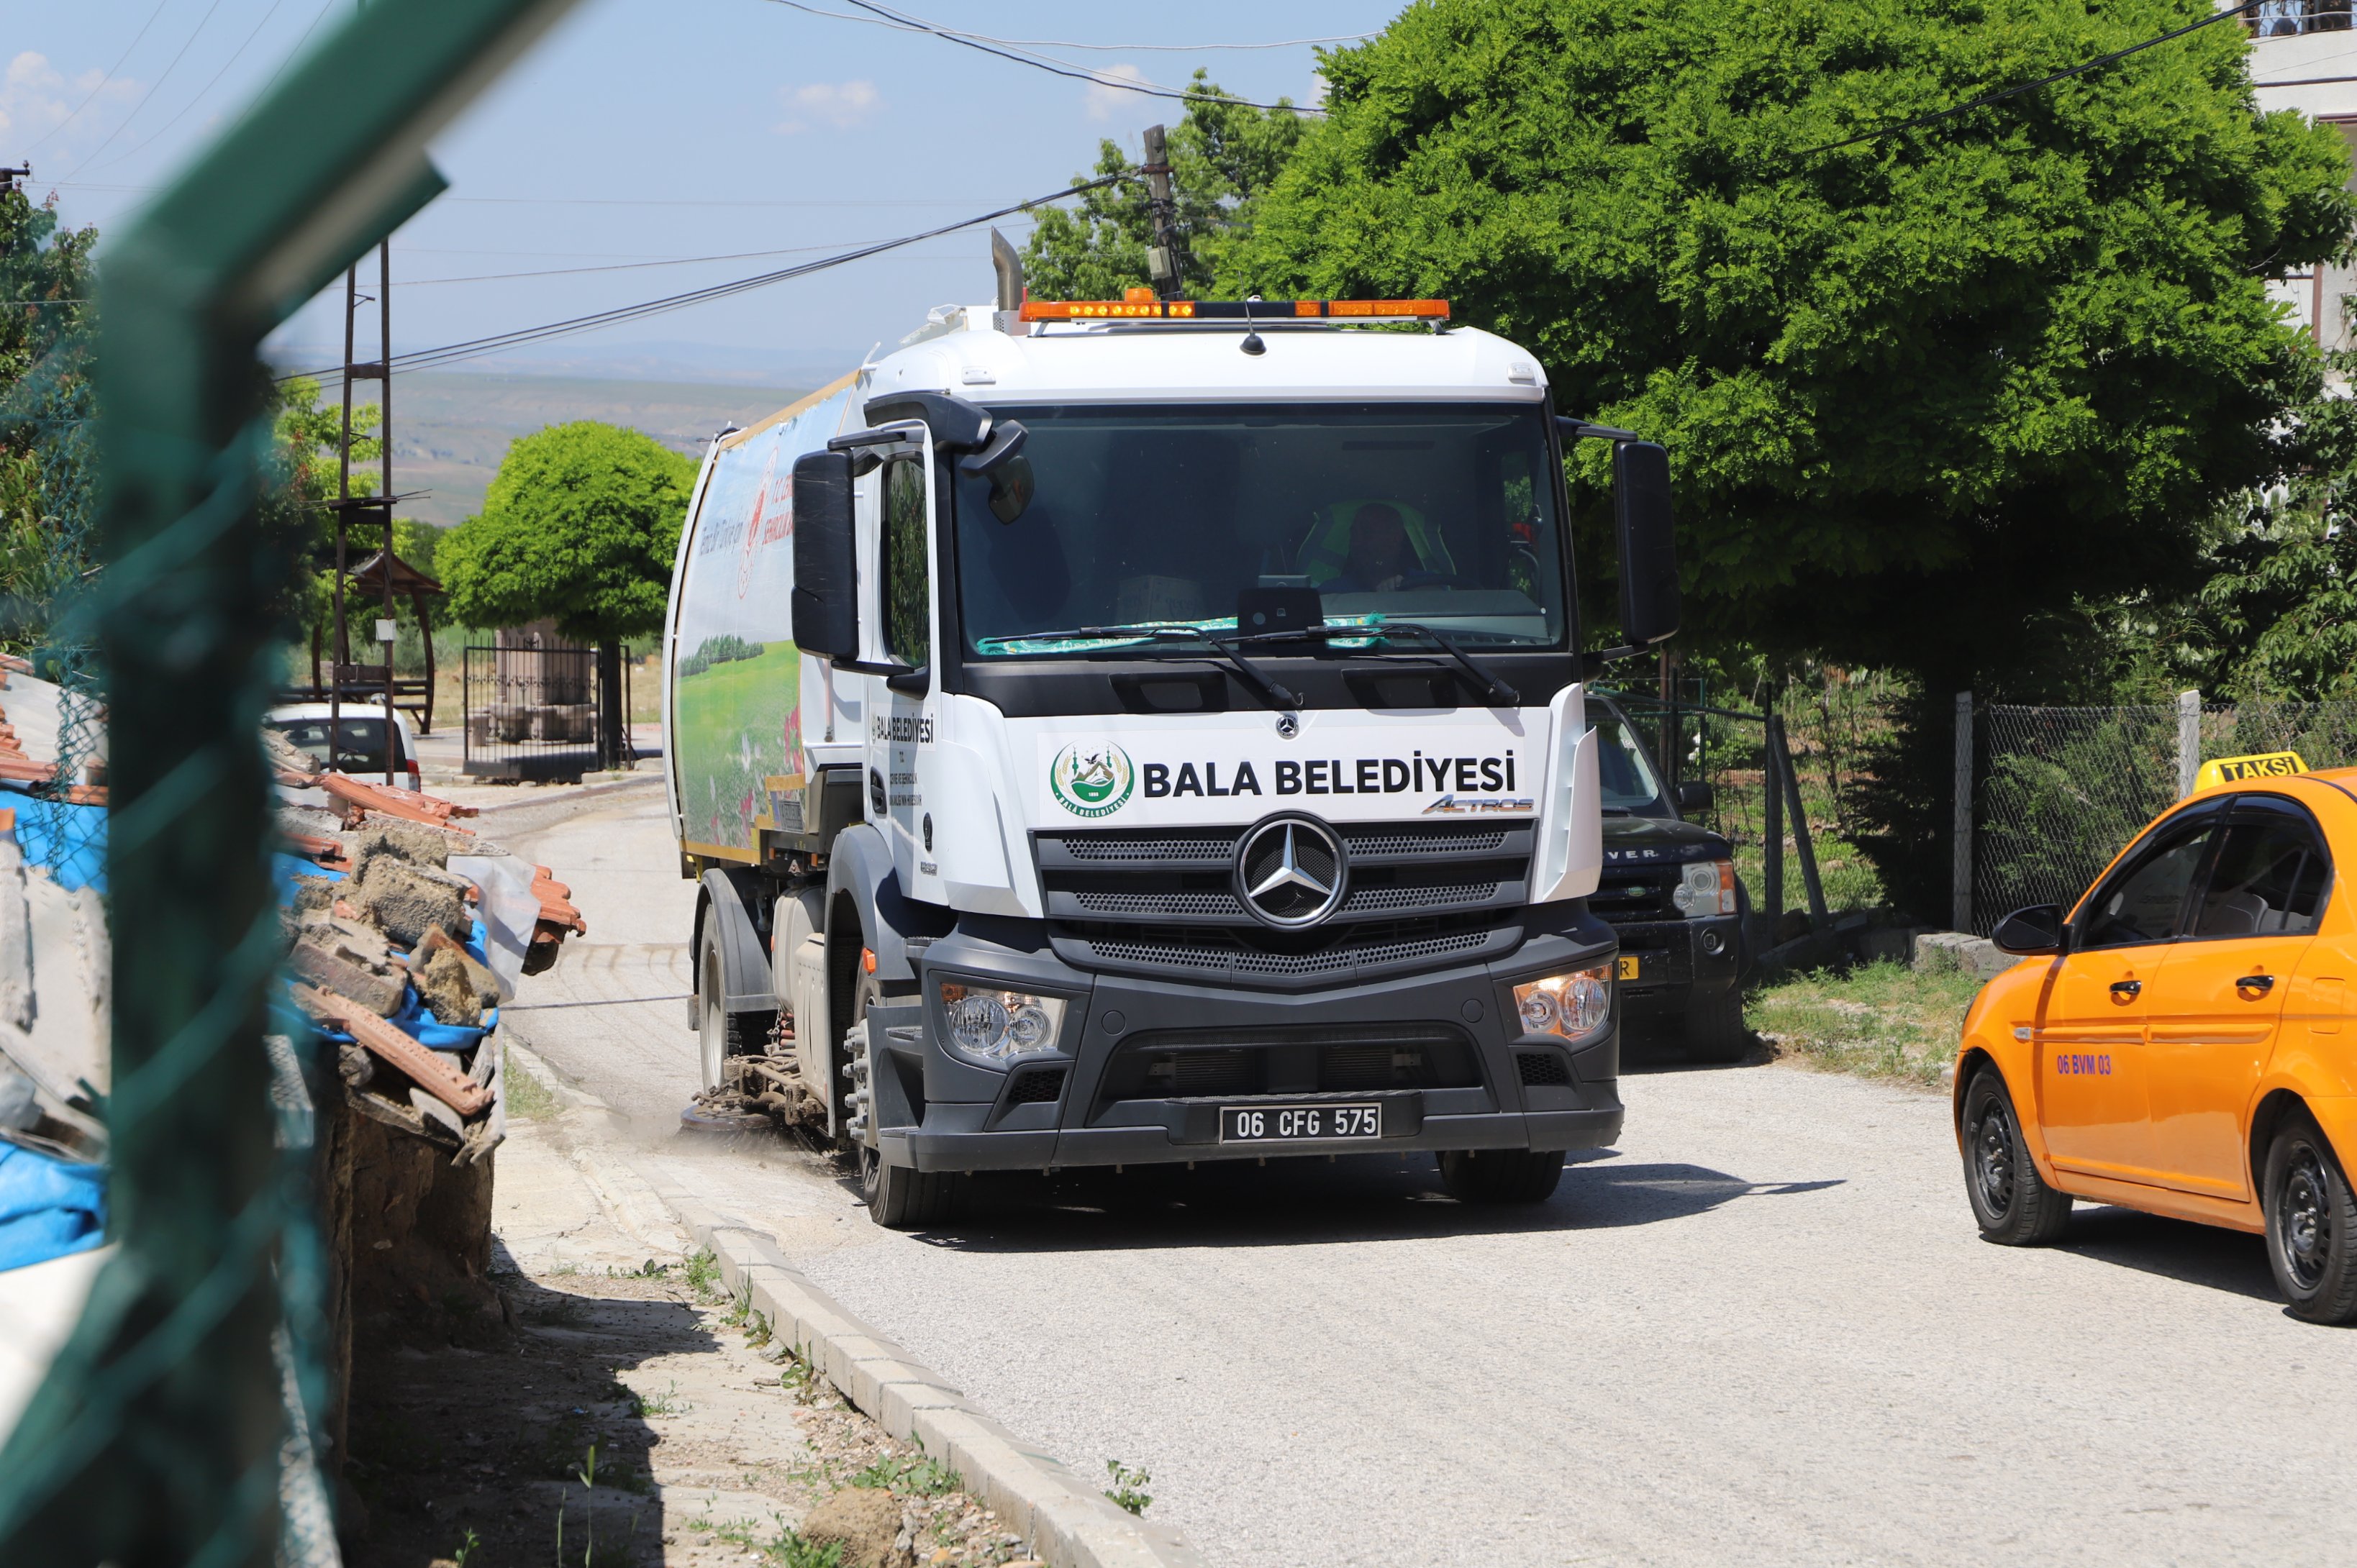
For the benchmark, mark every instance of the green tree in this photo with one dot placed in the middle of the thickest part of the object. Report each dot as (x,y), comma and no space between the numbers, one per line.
(47,323)
(580,526)
(1927,395)
(1222,154)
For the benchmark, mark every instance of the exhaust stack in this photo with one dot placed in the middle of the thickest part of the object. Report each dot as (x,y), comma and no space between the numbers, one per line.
(1009,268)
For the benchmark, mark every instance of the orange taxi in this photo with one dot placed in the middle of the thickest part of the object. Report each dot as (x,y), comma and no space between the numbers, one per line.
(2182,1041)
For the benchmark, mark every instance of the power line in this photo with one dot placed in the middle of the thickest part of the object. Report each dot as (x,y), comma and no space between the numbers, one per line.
(1096,49)
(613,267)
(104,80)
(235,55)
(475,348)
(123,123)
(1999,94)
(1040,62)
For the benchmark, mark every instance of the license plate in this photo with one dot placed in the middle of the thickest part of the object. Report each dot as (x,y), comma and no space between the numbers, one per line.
(1297,1124)
(1627,966)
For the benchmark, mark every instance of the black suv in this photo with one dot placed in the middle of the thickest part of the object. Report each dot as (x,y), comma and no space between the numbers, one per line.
(1669,889)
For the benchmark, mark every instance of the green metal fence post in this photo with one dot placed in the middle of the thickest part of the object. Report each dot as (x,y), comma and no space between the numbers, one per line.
(155,1439)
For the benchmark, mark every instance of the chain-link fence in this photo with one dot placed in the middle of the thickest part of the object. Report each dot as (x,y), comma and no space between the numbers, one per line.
(1831,730)
(2059,792)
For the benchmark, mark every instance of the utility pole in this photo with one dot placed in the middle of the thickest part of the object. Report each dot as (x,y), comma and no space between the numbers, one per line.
(1162,256)
(347,669)
(9,176)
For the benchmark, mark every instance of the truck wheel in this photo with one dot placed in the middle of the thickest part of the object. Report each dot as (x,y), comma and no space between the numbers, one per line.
(1500,1175)
(2010,1199)
(898,1198)
(1715,1031)
(719,1034)
(2311,1224)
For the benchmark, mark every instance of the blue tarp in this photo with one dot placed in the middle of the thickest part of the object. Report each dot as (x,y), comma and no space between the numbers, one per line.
(48,1206)
(75,834)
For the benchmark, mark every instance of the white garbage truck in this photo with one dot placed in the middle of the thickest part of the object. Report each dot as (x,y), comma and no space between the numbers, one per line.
(1112,733)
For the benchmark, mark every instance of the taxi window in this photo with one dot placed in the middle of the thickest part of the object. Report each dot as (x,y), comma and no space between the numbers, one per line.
(2143,901)
(2270,877)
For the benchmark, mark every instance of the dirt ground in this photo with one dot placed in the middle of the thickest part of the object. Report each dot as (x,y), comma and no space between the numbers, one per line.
(627,1414)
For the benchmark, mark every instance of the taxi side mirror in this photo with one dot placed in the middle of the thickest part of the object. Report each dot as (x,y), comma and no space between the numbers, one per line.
(2033,932)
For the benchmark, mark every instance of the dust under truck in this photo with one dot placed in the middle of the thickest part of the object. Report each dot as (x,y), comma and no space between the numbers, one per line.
(1112,733)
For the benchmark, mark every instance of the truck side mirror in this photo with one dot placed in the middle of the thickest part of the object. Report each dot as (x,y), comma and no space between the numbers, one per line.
(825,603)
(1649,550)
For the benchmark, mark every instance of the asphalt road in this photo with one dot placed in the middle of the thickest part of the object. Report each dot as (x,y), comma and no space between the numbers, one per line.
(1761,1331)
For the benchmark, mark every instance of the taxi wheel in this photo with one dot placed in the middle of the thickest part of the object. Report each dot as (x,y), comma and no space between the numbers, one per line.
(2311,1224)
(2010,1199)
(1500,1175)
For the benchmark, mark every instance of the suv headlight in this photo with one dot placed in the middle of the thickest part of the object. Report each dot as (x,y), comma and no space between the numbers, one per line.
(994,1027)
(1567,1004)
(1706,887)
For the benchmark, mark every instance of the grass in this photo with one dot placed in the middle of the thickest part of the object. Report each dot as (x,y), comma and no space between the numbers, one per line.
(1880,1020)
(703,1275)
(527,1097)
(919,1473)
(789,1550)
(1127,1489)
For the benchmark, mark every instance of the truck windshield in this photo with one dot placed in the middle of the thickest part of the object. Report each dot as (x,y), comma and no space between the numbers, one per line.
(1149,520)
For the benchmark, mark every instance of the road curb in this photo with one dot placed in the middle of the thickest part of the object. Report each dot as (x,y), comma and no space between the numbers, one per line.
(1067,1520)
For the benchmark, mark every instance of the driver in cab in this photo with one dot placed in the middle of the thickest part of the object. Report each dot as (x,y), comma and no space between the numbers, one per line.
(1379,559)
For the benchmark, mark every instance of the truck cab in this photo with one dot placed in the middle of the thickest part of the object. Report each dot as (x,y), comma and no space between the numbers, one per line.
(1190,757)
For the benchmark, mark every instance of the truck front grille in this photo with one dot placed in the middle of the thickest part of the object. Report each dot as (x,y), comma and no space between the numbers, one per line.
(1396,869)
(1251,956)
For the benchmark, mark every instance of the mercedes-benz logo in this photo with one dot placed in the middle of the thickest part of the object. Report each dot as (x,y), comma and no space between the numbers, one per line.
(1290,872)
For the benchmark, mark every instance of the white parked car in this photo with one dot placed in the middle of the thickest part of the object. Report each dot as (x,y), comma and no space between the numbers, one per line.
(359,748)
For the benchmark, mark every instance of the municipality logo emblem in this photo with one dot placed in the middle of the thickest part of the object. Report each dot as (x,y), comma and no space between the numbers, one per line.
(1092,782)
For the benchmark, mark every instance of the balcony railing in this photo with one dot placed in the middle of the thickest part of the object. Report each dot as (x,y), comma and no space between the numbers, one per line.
(2289,18)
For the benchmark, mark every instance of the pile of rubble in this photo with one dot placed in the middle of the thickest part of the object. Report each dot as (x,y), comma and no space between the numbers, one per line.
(405,932)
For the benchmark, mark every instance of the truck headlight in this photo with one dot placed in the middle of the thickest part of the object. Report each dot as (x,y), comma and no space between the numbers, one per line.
(1707,887)
(996,1026)
(1567,1004)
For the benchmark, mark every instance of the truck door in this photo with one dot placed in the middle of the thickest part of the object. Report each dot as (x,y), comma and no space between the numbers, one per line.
(2221,995)
(903,708)
(2092,1088)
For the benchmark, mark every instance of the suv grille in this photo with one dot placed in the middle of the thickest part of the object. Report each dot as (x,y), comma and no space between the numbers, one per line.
(1297,1059)
(1636,894)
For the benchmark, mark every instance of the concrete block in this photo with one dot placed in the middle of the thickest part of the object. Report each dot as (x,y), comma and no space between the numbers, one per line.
(1936,950)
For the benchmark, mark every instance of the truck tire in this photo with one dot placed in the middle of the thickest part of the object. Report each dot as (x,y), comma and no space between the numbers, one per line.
(2011,1201)
(900,1198)
(2311,1224)
(720,1034)
(1715,1031)
(1500,1175)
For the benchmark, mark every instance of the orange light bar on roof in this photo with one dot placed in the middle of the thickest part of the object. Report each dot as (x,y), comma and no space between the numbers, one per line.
(1150,309)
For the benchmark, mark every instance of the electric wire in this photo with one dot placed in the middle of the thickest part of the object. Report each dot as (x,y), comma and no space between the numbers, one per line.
(102,80)
(123,124)
(1100,48)
(611,267)
(475,348)
(1999,94)
(1067,68)
(235,55)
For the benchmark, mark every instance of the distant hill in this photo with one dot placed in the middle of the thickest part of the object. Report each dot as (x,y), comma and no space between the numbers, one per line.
(451,428)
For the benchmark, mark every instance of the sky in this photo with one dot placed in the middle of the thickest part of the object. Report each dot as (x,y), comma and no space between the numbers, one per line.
(650,130)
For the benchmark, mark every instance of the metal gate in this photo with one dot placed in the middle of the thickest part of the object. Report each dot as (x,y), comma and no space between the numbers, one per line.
(532,713)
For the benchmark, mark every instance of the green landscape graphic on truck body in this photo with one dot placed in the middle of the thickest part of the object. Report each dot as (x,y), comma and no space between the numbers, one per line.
(735,681)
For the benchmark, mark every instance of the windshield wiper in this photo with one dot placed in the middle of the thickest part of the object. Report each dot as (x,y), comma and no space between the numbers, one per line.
(1494,691)
(1274,694)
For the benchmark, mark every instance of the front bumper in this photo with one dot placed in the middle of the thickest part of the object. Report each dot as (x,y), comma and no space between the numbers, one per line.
(1676,967)
(1466,1077)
